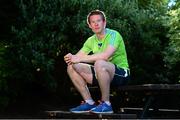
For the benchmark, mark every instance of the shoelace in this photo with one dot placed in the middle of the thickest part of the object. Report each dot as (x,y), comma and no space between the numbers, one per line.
(100,104)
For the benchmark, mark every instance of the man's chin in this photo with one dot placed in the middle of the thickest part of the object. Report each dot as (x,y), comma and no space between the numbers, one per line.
(97,31)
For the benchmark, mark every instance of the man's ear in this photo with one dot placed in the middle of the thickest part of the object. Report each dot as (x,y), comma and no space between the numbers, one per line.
(105,24)
(89,25)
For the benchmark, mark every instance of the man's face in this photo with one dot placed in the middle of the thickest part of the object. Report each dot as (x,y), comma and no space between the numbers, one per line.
(97,24)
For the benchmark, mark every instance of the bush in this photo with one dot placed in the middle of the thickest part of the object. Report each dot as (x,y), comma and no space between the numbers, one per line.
(47,30)
(172,51)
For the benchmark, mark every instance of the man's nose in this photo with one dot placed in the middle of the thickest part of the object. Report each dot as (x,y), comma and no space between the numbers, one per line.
(96,23)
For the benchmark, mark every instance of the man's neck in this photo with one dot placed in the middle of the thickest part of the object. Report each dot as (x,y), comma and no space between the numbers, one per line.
(101,35)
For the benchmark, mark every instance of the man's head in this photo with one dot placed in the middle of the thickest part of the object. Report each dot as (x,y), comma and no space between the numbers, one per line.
(96,12)
(96,20)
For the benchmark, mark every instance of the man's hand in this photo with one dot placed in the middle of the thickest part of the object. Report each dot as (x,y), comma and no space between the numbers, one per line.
(70,59)
(75,59)
(67,58)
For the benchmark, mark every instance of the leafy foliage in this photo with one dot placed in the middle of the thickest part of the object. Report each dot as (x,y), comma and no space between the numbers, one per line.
(3,82)
(172,51)
(47,30)
(142,33)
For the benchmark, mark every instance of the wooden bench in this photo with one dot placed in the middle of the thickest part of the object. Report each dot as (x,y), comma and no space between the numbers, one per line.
(68,115)
(151,97)
(146,98)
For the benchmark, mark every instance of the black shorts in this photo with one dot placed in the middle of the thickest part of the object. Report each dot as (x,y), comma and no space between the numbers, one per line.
(121,77)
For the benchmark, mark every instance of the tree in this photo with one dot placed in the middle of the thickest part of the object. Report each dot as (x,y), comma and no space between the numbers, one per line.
(46,30)
(172,51)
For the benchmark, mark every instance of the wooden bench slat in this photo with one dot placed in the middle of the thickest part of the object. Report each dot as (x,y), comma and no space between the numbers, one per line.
(151,87)
(69,115)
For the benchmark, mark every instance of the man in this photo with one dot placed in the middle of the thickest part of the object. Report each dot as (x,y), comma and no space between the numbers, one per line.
(110,65)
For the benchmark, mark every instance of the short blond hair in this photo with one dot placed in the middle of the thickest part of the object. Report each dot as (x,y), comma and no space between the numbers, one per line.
(96,12)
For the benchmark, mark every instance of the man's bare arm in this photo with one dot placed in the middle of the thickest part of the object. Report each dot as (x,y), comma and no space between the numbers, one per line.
(99,56)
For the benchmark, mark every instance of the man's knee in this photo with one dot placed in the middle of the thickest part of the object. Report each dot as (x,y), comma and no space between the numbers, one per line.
(71,68)
(99,65)
(77,67)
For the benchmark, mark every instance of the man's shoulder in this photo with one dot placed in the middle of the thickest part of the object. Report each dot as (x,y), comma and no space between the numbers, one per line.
(112,31)
(92,37)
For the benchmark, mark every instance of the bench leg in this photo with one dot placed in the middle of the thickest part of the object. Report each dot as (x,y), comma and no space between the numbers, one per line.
(147,106)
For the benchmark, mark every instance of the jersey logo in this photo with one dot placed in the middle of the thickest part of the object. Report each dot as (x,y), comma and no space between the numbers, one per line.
(99,45)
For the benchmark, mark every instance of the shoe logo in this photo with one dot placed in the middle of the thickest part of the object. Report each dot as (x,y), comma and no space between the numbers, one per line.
(103,109)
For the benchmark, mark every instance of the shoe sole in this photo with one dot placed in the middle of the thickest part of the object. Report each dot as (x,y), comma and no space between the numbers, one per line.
(79,111)
(102,112)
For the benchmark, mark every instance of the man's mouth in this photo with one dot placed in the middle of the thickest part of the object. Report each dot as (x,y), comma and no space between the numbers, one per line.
(96,28)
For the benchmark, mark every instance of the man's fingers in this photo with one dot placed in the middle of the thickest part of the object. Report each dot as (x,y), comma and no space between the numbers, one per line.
(67,58)
(67,61)
(70,63)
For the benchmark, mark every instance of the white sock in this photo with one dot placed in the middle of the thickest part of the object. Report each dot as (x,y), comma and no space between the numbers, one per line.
(90,101)
(108,103)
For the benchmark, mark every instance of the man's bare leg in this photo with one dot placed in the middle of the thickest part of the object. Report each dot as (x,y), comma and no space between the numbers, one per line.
(80,74)
(105,73)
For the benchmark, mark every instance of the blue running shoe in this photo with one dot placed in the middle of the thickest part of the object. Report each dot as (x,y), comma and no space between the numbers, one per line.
(102,108)
(83,108)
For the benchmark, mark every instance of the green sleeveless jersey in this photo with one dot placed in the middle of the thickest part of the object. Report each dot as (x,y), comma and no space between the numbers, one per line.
(113,38)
